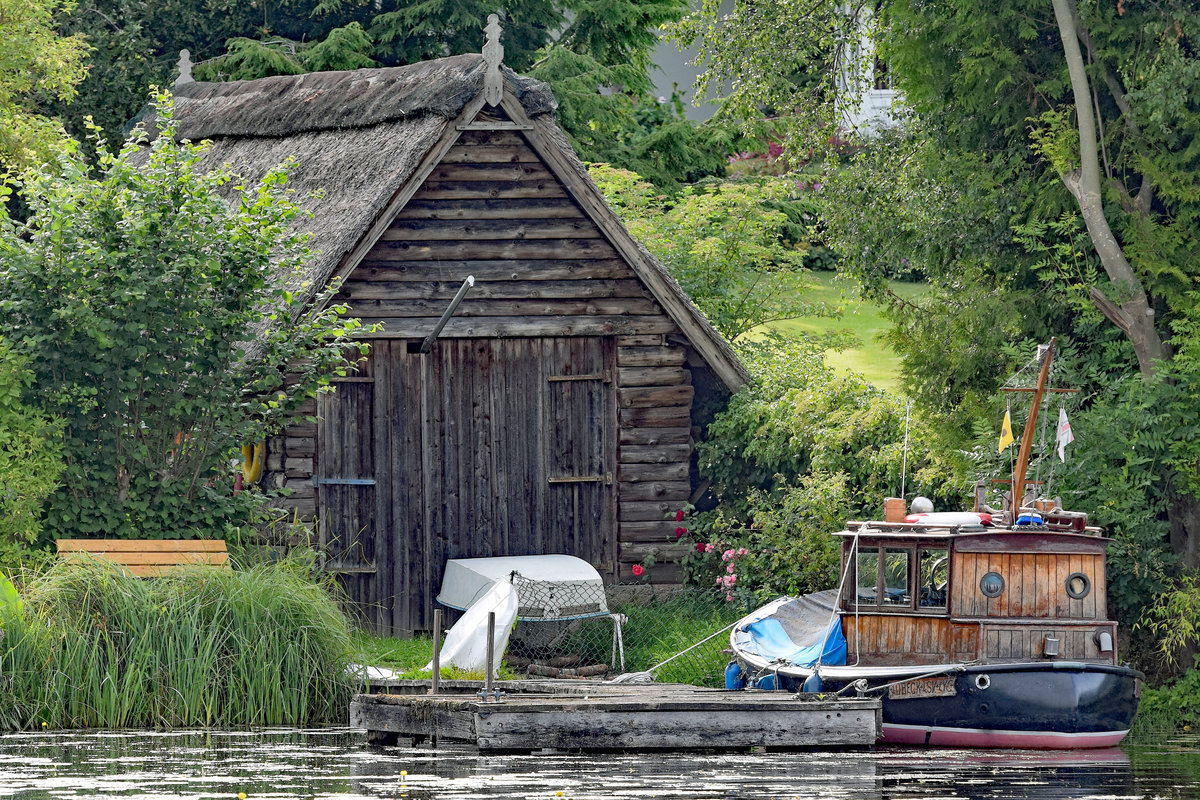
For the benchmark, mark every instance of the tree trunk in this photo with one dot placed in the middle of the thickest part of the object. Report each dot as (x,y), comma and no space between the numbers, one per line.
(1183,511)
(1131,311)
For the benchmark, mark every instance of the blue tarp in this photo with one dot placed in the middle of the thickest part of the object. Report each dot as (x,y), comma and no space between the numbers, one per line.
(772,642)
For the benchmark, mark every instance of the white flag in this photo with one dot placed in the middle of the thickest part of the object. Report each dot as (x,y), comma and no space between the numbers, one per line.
(1064,437)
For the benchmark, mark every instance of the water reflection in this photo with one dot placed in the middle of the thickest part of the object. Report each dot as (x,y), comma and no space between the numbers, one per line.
(335,764)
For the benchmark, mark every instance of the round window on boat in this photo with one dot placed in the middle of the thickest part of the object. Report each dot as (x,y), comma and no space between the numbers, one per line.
(1078,585)
(991,584)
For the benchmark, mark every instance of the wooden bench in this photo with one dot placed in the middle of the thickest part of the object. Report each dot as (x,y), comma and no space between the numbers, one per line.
(150,557)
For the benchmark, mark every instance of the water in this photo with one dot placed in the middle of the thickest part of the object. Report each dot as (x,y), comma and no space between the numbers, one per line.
(335,763)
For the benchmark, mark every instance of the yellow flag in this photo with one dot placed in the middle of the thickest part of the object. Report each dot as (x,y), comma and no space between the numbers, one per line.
(1006,437)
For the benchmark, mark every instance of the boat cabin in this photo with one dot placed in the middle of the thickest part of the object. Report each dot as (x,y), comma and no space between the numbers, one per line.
(932,593)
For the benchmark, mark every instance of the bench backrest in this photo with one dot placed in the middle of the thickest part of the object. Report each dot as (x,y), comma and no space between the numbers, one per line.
(150,557)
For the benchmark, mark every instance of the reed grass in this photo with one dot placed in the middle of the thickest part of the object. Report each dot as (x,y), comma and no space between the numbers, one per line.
(200,647)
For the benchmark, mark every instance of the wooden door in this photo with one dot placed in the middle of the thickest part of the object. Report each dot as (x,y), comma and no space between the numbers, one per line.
(349,492)
(578,422)
(498,447)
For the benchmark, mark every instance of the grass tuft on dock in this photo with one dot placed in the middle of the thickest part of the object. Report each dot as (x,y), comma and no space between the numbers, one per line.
(91,647)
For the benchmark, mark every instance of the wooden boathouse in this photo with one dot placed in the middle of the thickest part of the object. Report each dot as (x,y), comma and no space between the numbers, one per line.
(556,412)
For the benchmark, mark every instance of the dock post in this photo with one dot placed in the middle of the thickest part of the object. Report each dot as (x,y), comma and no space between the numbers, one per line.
(491,653)
(436,683)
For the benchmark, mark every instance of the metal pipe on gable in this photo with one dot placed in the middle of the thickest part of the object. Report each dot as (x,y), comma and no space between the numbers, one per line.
(427,345)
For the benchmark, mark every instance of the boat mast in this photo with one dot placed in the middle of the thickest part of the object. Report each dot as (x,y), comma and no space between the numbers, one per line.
(1018,482)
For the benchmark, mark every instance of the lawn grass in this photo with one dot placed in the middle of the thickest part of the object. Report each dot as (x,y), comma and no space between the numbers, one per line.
(862,319)
(654,632)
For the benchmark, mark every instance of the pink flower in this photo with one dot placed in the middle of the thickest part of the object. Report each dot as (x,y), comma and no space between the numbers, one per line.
(638,569)
(680,531)
(679,515)
(708,548)
(729,569)
(732,580)
(729,597)
(741,551)
(728,554)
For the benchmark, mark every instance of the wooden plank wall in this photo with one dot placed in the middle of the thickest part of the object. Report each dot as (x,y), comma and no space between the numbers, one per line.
(655,448)
(880,638)
(1025,642)
(543,269)
(1035,585)
(923,640)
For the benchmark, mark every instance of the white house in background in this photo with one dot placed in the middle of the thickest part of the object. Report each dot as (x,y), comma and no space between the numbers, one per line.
(865,84)
(869,99)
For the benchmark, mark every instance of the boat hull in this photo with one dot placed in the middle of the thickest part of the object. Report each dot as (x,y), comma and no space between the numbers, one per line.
(1034,705)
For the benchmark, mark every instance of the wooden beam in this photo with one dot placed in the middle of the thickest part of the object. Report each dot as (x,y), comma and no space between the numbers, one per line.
(583,269)
(519,327)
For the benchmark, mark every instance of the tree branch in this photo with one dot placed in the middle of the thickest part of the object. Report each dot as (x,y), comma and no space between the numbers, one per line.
(1084,186)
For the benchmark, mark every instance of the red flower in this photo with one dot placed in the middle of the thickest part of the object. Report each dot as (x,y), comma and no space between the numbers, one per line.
(699,547)
(638,569)
(680,531)
(679,515)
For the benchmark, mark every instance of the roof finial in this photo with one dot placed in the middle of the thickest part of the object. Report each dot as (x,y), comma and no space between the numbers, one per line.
(185,68)
(493,55)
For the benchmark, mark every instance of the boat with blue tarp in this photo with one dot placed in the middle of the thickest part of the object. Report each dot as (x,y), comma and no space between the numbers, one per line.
(979,629)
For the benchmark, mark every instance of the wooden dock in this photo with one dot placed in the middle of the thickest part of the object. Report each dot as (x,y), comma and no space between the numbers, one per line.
(593,716)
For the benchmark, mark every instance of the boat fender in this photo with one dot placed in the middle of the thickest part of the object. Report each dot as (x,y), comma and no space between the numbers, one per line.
(766,683)
(814,684)
(735,678)
(1030,518)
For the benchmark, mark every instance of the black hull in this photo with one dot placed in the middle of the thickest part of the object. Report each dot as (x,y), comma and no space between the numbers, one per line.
(1039,705)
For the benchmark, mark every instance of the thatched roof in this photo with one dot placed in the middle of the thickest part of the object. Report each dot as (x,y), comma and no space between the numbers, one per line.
(358,138)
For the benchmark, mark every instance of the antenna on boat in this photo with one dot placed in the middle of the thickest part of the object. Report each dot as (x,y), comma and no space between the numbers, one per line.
(904,462)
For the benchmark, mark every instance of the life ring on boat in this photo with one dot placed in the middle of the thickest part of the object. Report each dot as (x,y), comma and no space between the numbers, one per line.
(951,518)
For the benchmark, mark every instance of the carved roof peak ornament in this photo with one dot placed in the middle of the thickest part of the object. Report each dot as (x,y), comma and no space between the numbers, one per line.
(493,56)
(185,68)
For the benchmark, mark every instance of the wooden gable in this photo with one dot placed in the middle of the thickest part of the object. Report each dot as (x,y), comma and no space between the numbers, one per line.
(493,209)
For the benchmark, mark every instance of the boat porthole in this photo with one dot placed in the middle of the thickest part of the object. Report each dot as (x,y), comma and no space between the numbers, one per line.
(982,681)
(1078,585)
(991,584)
(983,708)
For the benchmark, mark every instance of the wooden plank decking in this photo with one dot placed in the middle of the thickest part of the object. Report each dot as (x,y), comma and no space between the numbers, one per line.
(607,717)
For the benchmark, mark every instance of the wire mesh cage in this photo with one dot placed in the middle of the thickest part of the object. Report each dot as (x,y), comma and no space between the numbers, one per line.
(621,629)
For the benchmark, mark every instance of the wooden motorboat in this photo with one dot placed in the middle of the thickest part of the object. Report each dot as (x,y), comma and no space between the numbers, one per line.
(987,629)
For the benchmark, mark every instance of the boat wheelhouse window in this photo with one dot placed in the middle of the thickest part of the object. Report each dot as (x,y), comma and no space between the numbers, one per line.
(896,576)
(934,572)
(912,577)
(867,577)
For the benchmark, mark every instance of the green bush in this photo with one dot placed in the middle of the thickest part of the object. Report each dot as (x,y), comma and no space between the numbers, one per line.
(728,244)
(158,308)
(30,460)
(1171,708)
(92,647)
